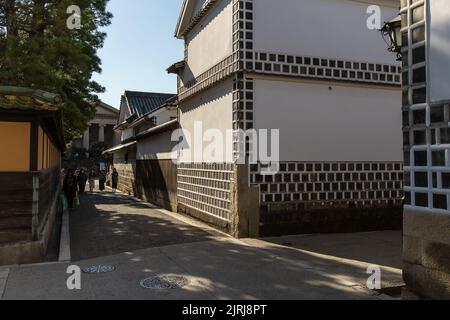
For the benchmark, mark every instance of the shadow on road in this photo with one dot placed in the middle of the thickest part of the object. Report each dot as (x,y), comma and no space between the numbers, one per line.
(107,224)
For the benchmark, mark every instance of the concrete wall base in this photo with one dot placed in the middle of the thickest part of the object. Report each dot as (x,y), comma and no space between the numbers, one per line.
(210,220)
(245,203)
(426,254)
(427,283)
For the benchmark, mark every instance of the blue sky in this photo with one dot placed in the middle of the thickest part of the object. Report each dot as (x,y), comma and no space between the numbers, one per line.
(139,48)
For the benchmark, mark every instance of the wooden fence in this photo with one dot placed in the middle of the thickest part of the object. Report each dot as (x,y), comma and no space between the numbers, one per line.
(25,202)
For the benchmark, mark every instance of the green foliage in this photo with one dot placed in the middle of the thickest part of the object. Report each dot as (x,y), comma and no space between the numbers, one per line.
(39,51)
(96,150)
(75,153)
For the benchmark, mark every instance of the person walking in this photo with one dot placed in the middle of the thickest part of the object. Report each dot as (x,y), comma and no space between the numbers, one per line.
(102,180)
(77,190)
(82,179)
(114,180)
(92,180)
(70,186)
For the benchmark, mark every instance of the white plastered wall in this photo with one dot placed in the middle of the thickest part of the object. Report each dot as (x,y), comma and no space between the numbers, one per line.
(213,109)
(320,28)
(346,123)
(158,147)
(210,41)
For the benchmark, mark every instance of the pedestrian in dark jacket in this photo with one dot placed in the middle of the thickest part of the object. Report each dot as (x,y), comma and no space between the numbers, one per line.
(70,188)
(115,179)
(82,179)
(92,176)
(102,180)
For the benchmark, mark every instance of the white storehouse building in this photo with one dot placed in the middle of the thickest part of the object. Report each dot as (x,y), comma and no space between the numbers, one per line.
(426,120)
(313,70)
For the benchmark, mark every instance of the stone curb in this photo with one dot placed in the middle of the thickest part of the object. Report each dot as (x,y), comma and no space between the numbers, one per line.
(4,273)
(64,244)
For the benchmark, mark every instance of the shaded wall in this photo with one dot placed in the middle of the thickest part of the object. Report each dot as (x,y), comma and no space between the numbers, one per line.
(125,163)
(29,203)
(156,182)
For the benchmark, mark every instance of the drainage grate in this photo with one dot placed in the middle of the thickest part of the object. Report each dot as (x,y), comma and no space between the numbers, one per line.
(164,282)
(99,269)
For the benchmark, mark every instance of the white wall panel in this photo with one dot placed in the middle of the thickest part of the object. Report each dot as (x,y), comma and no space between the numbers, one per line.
(211,40)
(319,124)
(322,28)
(156,147)
(213,108)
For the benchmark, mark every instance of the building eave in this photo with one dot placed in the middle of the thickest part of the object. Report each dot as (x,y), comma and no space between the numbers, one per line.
(119,147)
(167,126)
(108,107)
(181,19)
(121,126)
(176,67)
(35,105)
(187,20)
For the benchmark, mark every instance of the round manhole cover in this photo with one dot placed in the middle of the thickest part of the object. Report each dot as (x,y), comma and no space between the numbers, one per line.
(99,269)
(165,282)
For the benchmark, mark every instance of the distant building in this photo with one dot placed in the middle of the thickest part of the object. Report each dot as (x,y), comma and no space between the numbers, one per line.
(144,157)
(101,128)
(31,143)
(313,70)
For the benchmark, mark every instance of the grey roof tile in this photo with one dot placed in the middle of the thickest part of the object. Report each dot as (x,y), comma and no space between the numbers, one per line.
(141,103)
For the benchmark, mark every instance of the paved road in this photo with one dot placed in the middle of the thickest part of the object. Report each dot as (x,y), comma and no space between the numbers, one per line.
(141,242)
(106,224)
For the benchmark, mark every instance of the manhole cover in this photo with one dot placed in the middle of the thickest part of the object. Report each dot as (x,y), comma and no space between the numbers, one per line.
(99,269)
(164,282)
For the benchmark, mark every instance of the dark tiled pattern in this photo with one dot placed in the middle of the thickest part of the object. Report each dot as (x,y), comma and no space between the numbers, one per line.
(332,184)
(324,68)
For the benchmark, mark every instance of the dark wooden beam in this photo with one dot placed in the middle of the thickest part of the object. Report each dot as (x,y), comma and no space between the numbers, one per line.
(34,139)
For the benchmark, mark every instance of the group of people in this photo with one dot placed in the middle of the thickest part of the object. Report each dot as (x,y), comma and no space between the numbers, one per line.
(74,183)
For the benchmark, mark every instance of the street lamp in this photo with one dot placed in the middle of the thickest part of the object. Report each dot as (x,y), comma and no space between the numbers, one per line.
(392,35)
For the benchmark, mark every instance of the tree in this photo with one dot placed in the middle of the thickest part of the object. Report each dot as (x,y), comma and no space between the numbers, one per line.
(96,151)
(38,50)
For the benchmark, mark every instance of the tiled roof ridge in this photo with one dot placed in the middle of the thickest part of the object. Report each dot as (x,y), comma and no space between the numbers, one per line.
(154,94)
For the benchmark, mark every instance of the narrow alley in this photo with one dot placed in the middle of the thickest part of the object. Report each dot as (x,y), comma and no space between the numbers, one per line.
(137,241)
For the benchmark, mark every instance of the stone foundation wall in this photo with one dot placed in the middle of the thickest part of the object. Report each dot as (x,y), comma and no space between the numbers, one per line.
(426,253)
(125,163)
